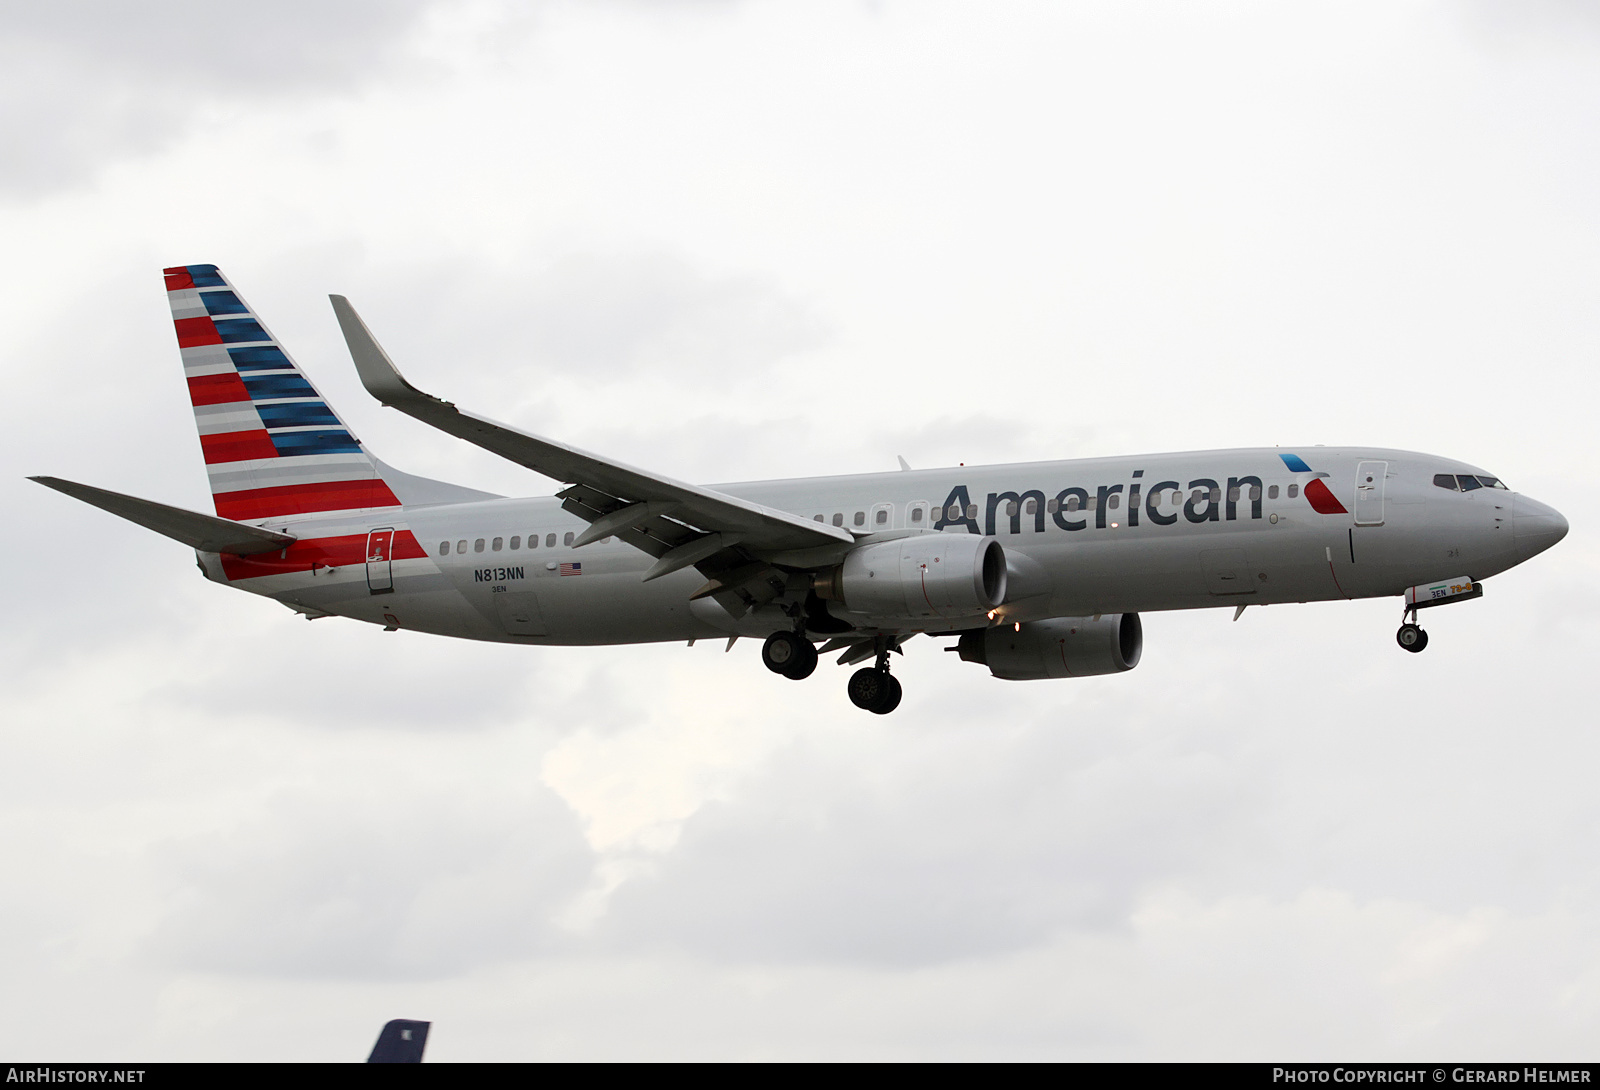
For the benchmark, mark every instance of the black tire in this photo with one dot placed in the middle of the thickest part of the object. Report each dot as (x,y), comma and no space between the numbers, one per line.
(782,650)
(891,696)
(801,666)
(868,688)
(1411,637)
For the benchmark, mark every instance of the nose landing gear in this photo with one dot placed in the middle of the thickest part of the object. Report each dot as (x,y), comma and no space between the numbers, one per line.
(1411,637)
(1426,595)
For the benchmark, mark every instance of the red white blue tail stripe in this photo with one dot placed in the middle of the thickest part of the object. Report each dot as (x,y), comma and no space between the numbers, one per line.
(273,446)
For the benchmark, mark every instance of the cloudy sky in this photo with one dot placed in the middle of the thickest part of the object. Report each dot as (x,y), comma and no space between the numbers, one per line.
(751,240)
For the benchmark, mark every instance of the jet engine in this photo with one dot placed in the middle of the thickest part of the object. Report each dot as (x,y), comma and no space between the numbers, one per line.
(924,575)
(1060,647)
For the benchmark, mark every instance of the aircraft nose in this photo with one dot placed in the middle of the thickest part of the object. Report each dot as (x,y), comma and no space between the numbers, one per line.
(1535,526)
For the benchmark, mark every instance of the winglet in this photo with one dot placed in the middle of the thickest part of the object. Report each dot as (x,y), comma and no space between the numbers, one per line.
(904,466)
(378,373)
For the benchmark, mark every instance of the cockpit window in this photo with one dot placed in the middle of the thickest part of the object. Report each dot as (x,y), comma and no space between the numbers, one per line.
(1492,482)
(1468,482)
(1445,480)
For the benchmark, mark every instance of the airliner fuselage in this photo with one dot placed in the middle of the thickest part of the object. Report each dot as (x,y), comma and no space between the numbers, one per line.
(1137,539)
(1040,569)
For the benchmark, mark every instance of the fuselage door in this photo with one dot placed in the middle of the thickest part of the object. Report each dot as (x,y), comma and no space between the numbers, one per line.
(380,547)
(1369,493)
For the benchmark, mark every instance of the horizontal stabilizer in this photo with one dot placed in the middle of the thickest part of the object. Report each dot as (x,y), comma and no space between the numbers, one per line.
(207,533)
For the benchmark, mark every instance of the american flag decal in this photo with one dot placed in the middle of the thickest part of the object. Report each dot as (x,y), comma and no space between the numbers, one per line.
(571,569)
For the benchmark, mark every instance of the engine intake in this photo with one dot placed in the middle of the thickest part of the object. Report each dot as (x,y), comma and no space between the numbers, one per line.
(925,575)
(1061,647)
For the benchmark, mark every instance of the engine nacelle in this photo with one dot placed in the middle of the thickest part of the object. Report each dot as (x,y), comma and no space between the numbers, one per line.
(1061,647)
(924,575)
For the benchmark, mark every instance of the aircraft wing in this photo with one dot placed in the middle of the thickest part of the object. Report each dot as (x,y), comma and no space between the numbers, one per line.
(679,524)
(207,533)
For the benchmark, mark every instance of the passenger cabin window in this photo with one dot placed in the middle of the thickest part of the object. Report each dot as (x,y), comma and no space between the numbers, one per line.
(1011,509)
(1255,492)
(972,510)
(1033,507)
(1072,503)
(1294,490)
(516,542)
(477,546)
(818,518)
(1445,480)
(497,544)
(567,540)
(549,541)
(861,518)
(881,517)
(1272,492)
(1112,502)
(1233,494)
(1052,506)
(461,546)
(916,516)
(444,548)
(533,541)
(838,518)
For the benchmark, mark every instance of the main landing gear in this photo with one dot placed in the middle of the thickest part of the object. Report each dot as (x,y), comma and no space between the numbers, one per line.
(789,654)
(873,688)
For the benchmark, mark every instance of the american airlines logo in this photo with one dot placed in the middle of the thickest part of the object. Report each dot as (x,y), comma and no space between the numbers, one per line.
(1162,503)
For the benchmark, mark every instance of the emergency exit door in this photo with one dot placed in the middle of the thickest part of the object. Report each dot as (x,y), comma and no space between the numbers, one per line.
(380,548)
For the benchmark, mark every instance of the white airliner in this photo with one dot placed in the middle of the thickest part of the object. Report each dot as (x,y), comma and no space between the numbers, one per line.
(1039,569)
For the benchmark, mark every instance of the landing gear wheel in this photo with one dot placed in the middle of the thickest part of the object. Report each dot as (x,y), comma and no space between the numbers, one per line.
(801,666)
(892,701)
(874,690)
(1411,637)
(789,654)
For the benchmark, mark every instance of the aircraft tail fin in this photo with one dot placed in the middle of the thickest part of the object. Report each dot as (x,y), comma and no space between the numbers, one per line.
(273,445)
(400,1042)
